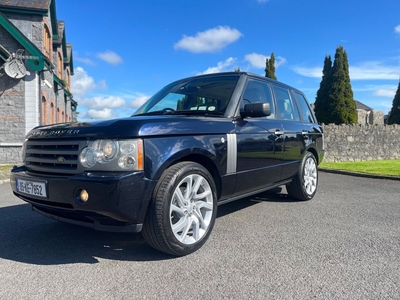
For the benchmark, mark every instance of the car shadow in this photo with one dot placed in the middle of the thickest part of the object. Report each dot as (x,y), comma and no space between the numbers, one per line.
(28,237)
(31,238)
(278,194)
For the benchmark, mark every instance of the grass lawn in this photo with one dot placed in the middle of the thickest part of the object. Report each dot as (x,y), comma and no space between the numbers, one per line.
(5,168)
(376,167)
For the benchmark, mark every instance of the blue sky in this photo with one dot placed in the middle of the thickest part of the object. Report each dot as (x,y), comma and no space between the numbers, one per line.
(124,51)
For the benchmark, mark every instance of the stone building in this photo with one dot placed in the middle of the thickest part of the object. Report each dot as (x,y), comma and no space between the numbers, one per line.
(368,116)
(35,69)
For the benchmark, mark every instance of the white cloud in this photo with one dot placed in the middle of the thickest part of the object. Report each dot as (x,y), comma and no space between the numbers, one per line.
(110,57)
(374,71)
(101,102)
(138,101)
(397,29)
(81,82)
(364,71)
(258,60)
(105,113)
(211,40)
(388,92)
(315,72)
(222,66)
(86,61)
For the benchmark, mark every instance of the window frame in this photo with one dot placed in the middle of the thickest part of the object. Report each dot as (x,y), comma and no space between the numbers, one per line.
(296,117)
(266,87)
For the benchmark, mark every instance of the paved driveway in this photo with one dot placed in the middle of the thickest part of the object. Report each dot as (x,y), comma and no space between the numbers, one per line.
(343,244)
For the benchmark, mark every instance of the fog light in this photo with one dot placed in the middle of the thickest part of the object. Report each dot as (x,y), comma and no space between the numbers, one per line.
(84,196)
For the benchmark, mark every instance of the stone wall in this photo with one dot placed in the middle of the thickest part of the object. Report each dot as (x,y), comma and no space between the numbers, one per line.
(361,142)
(10,154)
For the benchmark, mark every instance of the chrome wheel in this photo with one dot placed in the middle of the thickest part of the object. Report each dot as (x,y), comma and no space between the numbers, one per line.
(191,209)
(310,176)
(182,211)
(305,182)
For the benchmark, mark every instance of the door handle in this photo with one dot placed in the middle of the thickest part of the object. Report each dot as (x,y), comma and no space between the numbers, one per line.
(304,132)
(279,132)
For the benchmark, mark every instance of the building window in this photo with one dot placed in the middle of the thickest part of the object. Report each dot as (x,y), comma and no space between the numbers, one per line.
(60,65)
(52,121)
(47,41)
(44,111)
(68,79)
(58,115)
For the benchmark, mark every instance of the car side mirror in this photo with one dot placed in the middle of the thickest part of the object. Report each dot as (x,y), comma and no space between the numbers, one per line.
(256,110)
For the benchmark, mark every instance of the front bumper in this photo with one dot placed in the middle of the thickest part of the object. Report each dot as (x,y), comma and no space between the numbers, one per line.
(117,201)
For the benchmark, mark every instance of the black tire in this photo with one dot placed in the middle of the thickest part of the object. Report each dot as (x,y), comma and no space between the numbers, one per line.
(304,184)
(173,206)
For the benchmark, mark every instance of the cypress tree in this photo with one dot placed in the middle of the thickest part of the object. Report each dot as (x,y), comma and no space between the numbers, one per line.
(322,107)
(394,116)
(334,102)
(343,106)
(270,67)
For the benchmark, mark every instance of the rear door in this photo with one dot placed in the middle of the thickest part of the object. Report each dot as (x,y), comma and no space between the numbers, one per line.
(295,133)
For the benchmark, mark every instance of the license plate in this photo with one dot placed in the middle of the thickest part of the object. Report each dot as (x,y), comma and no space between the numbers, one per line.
(31,188)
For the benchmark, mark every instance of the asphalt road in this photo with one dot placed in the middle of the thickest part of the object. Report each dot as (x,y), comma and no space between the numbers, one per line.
(343,244)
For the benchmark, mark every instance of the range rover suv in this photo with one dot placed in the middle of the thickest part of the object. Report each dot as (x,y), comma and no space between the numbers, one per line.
(198,143)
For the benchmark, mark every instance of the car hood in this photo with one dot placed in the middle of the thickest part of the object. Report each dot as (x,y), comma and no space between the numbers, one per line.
(136,126)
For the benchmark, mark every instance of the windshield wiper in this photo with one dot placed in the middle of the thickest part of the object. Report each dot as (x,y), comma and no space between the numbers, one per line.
(156,112)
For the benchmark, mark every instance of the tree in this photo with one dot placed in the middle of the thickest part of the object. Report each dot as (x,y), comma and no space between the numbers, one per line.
(75,115)
(237,69)
(336,102)
(270,67)
(394,115)
(322,100)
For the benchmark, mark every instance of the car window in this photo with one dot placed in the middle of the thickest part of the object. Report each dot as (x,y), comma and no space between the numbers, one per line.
(285,106)
(305,109)
(208,95)
(258,91)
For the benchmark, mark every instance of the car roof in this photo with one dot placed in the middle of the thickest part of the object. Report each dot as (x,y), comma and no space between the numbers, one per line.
(234,73)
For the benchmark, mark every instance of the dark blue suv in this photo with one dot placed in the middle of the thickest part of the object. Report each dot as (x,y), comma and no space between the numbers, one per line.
(198,143)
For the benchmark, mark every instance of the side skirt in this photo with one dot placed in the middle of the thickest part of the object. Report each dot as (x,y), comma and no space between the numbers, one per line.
(253,192)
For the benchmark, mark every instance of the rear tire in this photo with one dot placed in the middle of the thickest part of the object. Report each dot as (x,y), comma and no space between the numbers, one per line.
(182,212)
(304,184)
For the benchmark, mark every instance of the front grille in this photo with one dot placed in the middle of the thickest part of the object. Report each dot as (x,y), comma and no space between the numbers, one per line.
(53,156)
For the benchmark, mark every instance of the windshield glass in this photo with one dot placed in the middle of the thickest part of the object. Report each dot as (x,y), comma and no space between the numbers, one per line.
(202,95)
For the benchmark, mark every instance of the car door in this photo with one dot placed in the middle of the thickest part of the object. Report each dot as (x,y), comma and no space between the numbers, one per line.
(295,134)
(259,143)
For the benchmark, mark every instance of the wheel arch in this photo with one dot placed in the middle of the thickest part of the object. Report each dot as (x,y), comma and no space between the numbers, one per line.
(207,163)
(315,153)
(200,158)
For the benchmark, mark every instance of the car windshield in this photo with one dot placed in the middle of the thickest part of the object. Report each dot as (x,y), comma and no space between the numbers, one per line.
(195,96)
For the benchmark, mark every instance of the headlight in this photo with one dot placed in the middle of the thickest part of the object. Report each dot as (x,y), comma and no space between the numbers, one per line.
(113,155)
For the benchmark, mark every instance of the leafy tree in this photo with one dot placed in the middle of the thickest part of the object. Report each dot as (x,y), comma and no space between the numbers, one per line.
(270,67)
(394,115)
(338,105)
(75,115)
(322,100)
(237,69)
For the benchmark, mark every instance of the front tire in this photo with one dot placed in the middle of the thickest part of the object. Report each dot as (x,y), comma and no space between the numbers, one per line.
(304,184)
(183,209)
